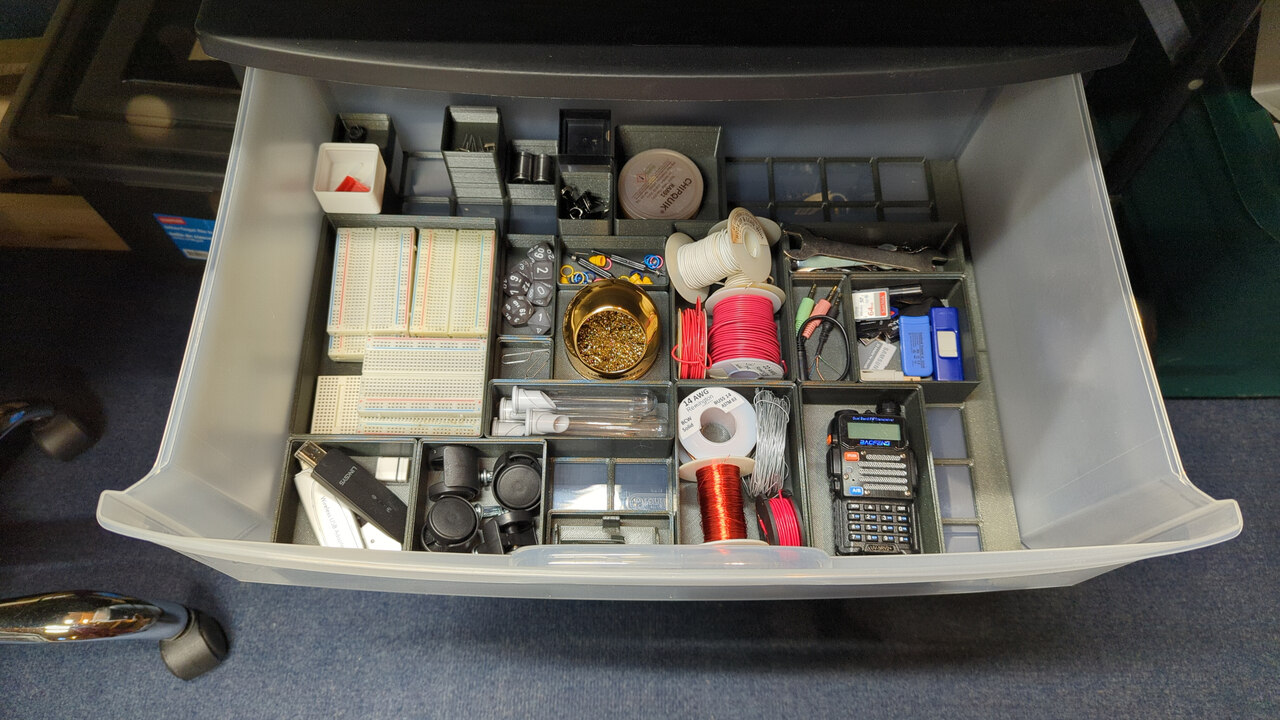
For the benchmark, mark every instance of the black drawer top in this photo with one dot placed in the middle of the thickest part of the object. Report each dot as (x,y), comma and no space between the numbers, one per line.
(747,49)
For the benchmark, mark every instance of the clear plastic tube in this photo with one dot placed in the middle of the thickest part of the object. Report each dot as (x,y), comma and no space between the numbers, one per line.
(622,402)
(604,426)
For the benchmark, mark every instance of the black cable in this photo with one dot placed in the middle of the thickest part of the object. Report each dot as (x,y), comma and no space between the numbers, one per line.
(802,353)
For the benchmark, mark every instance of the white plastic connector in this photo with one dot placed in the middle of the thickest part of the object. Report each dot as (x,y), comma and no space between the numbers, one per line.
(522,401)
(391,469)
(507,411)
(537,422)
(507,428)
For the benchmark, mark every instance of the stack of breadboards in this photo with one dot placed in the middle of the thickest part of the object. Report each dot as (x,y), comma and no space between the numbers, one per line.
(413,306)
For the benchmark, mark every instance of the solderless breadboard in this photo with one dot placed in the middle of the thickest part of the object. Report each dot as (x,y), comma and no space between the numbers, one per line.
(352,280)
(347,348)
(420,397)
(337,405)
(423,385)
(432,282)
(472,283)
(460,425)
(452,283)
(391,284)
(426,357)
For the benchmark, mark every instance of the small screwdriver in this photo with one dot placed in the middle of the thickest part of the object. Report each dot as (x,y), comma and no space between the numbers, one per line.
(805,308)
(821,308)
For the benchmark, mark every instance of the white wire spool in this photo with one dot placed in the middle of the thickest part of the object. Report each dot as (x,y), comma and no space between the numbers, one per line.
(725,412)
(735,252)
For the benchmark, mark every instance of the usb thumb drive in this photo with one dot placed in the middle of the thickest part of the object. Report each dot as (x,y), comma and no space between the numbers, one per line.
(367,497)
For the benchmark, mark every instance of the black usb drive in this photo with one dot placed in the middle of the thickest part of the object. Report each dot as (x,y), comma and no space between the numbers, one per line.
(367,497)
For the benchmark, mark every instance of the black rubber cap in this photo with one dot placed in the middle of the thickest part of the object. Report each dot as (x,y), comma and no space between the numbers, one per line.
(518,487)
(450,521)
(197,649)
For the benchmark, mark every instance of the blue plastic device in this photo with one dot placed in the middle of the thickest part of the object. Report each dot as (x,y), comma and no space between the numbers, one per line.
(916,338)
(947,364)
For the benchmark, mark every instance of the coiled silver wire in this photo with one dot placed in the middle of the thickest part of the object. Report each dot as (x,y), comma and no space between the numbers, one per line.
(772,415)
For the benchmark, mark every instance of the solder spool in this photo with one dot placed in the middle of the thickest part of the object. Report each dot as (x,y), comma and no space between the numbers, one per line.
(599,299)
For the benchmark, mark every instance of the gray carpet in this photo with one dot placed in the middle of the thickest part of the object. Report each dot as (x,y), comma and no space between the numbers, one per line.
(1193,635)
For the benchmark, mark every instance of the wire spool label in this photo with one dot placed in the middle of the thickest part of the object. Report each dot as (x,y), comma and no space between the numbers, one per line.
(745,369)
(741,223)
(716,406)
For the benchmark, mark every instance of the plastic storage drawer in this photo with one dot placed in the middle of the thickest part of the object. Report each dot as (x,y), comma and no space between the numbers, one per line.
(1091,463)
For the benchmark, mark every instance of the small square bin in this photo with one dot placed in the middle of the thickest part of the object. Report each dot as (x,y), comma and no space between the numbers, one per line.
(360,161)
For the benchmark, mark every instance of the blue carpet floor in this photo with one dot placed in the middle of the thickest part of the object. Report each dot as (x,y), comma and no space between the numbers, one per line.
(1193,635)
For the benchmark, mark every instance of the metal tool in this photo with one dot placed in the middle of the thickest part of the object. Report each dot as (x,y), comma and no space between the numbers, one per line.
(628,262)
(589,267)
(920,245)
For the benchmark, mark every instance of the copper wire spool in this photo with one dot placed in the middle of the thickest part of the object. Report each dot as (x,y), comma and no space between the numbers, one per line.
(720,502)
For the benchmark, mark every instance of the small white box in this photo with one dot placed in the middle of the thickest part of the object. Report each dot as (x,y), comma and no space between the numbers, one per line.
(361,161)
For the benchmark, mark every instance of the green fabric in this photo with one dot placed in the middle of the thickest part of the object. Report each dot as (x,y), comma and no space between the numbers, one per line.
(1201,224)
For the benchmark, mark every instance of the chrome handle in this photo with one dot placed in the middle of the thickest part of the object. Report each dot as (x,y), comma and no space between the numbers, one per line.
(84,615)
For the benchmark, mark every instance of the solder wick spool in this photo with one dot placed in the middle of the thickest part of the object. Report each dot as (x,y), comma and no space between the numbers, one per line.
(735,252)
(716,422)
(660,184)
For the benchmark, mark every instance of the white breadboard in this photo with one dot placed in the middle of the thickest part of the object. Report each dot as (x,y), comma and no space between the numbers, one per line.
(420,396)
(392,281)
(450,358)
(352,275)
(459,425)
(432,282)
(336,410)
(452,285)
(347,348)
(472,284)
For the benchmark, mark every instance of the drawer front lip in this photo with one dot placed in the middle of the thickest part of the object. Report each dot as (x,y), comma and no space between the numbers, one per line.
(630,51)
(664,76)
(646,579)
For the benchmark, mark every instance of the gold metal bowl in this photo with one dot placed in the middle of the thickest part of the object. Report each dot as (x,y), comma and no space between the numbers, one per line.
(611,331)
